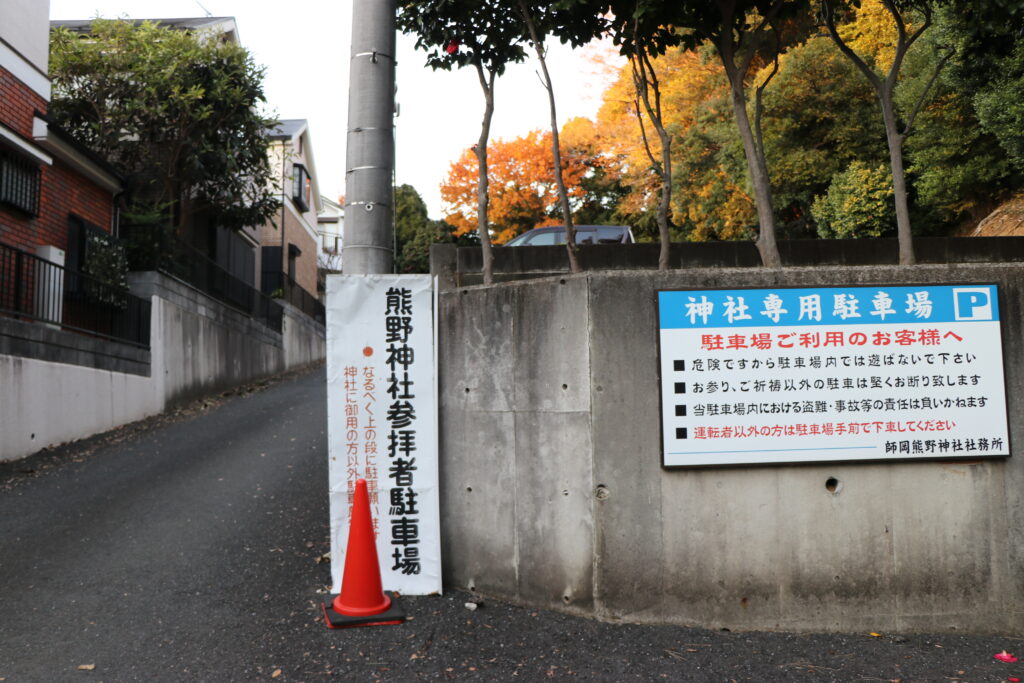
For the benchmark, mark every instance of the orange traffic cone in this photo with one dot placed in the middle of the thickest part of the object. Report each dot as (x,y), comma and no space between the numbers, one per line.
(362,601)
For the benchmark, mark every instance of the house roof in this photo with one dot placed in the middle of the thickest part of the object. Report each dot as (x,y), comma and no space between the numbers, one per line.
(287,129)
(224,28)
(183,24)
(53,129)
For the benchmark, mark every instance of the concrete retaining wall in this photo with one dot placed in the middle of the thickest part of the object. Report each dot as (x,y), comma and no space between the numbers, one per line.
(553,493)
(304,338)
(58,386)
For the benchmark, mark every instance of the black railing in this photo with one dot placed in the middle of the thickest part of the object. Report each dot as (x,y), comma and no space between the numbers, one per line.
(281,286)
(151,248)
(32,288)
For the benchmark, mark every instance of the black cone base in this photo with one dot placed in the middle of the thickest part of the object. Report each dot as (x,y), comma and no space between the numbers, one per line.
(393,615)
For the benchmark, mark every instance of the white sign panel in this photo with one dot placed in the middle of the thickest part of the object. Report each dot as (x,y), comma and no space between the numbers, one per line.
(832,373)
(382,423)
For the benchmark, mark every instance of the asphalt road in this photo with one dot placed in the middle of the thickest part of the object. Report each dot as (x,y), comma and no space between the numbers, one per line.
(188,547)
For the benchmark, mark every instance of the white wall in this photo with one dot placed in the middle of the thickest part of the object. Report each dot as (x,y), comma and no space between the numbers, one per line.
(46,403)
(25,26)
(198,346)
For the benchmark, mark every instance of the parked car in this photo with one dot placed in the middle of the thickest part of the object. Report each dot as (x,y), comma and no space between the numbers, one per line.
(585,234)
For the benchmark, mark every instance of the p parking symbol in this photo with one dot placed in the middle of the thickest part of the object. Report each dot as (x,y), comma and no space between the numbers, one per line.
(972,303)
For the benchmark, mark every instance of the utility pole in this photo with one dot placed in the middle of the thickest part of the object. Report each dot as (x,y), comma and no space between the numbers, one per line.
(370,158)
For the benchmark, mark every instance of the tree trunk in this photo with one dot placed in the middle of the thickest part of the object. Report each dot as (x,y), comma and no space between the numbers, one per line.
(899,181)
(641,82)
(570,230)
(666,196)
(758,170)
(483,226)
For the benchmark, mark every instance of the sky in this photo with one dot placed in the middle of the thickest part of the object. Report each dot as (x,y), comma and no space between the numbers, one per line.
(304,45)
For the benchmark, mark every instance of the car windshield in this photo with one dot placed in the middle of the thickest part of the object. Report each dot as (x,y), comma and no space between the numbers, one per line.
(585,234)
(611,234)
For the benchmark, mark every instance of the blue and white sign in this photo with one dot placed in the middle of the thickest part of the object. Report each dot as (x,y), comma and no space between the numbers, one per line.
(831,373)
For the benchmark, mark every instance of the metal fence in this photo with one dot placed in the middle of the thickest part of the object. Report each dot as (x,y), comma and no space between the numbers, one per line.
(151,248)
(32,288)
(280,284)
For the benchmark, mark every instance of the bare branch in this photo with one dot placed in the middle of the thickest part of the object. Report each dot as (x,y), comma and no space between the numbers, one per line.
(759,92)
(924,93)
(639,84)
(758,33)
(828,13)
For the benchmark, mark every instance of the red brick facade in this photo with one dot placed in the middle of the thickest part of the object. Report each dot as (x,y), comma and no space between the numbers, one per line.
(18,103)
(63,190)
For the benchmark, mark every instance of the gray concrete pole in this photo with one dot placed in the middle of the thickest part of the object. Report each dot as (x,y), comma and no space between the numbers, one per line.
(369,162)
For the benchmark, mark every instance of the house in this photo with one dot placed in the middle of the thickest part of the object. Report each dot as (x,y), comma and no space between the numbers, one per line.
(56,197)
(47,180)
(291,243)
(81,353)
(235,251)
(329,222)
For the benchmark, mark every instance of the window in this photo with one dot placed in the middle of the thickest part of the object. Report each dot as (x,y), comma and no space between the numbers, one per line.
(301,185)
(19,183)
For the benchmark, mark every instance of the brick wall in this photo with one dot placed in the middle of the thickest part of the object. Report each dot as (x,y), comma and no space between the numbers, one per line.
(63,190)
(18,104)
(294,233)
(305,265)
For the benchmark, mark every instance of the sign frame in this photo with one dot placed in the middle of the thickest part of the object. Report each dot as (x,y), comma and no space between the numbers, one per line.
(382,352)
(1000,297)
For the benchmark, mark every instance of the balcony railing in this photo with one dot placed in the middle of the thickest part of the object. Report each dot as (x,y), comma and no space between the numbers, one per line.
(280,285)
(151,248)
(32,288)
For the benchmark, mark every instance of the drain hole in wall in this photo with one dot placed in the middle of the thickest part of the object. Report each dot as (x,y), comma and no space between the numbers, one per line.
(561,282)
(832,485)
(469,489)
(467,390)
(565,386)
(32,437)
(566,599)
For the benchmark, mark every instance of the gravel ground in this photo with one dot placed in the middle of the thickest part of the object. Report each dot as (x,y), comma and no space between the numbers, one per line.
(191,547)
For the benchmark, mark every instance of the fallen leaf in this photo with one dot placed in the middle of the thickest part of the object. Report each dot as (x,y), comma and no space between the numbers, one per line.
(277,672)
(875,635)
(90,667)
(1012,679)
(1005,656)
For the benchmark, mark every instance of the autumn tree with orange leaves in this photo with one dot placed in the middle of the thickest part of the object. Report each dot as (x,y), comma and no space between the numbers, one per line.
(522,193)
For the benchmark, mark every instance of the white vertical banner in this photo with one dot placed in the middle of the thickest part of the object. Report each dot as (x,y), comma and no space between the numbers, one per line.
(382,423)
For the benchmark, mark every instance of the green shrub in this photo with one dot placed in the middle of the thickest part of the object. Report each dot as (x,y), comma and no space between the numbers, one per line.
(859,203)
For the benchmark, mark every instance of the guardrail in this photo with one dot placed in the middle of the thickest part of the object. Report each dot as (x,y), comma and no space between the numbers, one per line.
(151,248)
(32,288)
(278,283)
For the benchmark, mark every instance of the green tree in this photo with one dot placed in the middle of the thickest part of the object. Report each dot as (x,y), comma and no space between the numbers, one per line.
(743,34)
(883,82)
(858,204)
(957,167)
(415,232)
(988,66)
(820,117)
(486,35)
(644,30)
(576,25)
(174,113)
